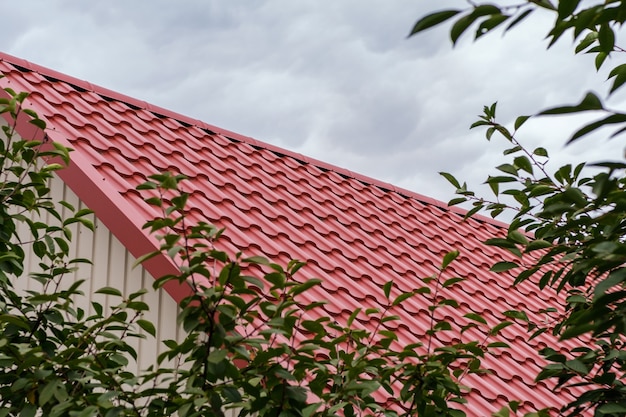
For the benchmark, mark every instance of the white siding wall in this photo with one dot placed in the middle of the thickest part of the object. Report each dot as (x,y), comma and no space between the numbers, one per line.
(112,267)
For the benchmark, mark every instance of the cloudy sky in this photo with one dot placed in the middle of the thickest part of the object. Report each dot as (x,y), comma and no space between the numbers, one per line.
(338,81)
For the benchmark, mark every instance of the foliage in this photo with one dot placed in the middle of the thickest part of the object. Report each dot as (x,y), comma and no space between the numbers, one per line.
(254,341)
(269,350)
(569,224)
(592,24)
(55,359)
(574,242)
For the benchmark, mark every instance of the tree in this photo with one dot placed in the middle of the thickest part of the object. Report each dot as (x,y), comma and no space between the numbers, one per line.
(250,342)
(569,226)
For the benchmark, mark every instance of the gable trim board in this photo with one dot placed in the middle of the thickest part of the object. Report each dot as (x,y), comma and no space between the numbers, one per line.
(355,232)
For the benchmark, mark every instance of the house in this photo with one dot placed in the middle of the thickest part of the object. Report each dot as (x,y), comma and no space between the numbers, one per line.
(354,232)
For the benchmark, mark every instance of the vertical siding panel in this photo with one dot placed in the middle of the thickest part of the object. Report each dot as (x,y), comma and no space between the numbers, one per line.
(100,262)
(80,247)
(112,266)
(31,261)
(167,327)
(116,263)
(149,350)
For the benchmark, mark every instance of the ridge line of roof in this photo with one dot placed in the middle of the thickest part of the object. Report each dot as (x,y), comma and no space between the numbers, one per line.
(114,95)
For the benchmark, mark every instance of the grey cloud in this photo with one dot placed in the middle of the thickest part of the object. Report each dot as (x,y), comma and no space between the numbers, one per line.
(338,81)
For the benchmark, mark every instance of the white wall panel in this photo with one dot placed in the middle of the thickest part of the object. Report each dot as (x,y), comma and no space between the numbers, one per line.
(113,267)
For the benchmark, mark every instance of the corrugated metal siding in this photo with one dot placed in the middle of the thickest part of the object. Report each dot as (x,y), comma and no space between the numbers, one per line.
(112,267)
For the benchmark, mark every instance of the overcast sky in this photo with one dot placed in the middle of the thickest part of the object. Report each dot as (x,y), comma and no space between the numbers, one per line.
(337,81)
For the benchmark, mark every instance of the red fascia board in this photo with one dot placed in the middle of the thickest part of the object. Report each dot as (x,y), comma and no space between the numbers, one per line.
(109,206)
(119,217)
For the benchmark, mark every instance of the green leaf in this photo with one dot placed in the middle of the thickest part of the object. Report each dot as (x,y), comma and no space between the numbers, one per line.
(612,408)
(523,163)
(387,288)
(148,185)
(619,73)
(612,119)
(450,282)
(520,121)
(514,149)
(474,210)
(147,326)
(309,410)
(138,306)
(450,179)
(217,355)
(538,190)
(557,31)
(518,19)
(47,392)
(588,103)
(503,266)
(402,297)
(260,260)
(475,317)
(578,330)
(566,8)
(489,24)
(503,412)
(502,345)
(615,277)
(586,42)
(498,327)
(432,19)
(606,38)
(448,258)
(353,316)
(298,289)
(422,290)
(109,291)
(538,244)
(449,302)
(514,314)
(28,410)
(577,366)
(39,248)
(537,333)
(600,58)
(507,169)
(442,325)
(518,237)
(460,26)
(456,201)
(16,321)
(486,9)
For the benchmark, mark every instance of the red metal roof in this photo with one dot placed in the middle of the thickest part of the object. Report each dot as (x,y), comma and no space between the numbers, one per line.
(355,232)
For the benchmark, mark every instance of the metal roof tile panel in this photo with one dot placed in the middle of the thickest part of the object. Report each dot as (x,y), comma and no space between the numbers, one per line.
(357,233)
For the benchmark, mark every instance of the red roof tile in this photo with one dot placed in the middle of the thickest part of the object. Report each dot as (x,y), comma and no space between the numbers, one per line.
(356,232)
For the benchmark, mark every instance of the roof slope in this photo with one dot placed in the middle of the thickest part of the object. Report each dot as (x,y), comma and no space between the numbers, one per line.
(355,232)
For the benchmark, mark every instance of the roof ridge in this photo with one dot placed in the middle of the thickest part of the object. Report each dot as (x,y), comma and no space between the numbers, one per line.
(107,93)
